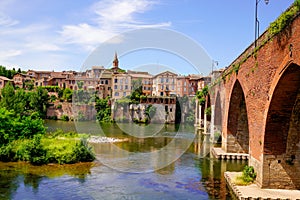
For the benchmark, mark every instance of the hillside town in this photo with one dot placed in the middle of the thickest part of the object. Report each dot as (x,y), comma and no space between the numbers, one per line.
(114,82)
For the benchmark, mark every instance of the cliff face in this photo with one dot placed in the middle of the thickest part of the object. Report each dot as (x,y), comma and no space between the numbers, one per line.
(74,112)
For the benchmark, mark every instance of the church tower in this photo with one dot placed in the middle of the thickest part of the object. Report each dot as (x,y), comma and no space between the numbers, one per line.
(116,62)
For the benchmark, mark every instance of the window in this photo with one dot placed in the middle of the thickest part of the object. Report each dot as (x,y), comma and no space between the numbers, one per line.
(116,80)
(121,81)
(126,87)
(161,80)
(161,93)
(124,94)
(116,94)
(167,80)
(116,87)
(102,82)
(106,82)
(121,87)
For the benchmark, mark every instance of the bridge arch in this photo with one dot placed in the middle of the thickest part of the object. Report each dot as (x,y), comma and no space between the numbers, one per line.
(237,123)
(282,132)
(218,117)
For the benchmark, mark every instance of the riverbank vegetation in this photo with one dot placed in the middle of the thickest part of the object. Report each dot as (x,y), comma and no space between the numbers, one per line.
(23,135)
(247,177)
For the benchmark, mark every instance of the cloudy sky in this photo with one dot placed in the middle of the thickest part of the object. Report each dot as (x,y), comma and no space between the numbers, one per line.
(60,35)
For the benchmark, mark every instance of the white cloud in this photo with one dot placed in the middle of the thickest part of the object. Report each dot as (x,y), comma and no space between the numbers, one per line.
(112,17)
(6,56)
(6,20)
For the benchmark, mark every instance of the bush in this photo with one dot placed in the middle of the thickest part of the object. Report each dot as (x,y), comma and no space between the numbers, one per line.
(65,118)
(52,117)
(53,98)
(248,174)
(6,153)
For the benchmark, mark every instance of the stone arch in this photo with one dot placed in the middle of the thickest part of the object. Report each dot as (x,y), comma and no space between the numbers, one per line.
(282,132)
(218,117)
(237,124)
(208,107)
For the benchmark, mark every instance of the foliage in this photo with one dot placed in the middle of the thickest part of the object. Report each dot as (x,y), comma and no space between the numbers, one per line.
(207,111)
(248,174)
(247,177)
(137,90)
(190,119)
(39,101)
(67,94)
(201,95)
(52,148)
(83,96)
(125,101)
(150,112)
(13,127)
(53,98)
(103,109)
(9,73)
(65,118)
(284,19)
(50,88)
(80,84)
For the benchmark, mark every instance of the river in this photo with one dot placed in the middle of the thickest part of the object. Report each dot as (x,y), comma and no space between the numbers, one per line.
(145,166)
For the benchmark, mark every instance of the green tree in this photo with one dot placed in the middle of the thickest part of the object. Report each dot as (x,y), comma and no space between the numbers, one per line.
(8,97)
(67,94)
(80,84)
(39,101)
(103,110)
(137,90)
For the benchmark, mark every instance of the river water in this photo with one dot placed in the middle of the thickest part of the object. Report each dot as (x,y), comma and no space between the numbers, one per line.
(159,162)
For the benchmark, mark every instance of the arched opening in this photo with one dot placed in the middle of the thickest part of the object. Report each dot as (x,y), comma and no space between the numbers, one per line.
(282,134)
(218,119)
(237,126)
(207,113)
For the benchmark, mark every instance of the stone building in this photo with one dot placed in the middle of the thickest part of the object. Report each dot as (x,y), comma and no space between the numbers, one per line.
(3,81)
(164,84)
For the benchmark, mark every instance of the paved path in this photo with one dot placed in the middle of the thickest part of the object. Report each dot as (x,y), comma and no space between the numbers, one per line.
(254,192)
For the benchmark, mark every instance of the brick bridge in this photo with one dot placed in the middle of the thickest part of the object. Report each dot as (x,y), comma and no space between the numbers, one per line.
(255,105)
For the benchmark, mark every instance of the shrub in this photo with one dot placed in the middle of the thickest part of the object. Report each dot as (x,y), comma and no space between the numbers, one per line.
(248,174)
(65,118)
(53,98)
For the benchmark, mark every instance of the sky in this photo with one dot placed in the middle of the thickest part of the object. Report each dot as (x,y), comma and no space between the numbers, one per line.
(185,36)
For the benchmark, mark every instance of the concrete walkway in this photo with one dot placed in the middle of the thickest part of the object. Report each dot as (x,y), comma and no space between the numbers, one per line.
(254,192)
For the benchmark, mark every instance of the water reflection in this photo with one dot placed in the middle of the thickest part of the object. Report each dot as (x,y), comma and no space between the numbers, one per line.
(195,175)
(13,174)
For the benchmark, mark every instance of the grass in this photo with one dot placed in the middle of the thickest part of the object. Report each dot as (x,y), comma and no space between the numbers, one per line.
(247,177)
(238,180)
(58,147)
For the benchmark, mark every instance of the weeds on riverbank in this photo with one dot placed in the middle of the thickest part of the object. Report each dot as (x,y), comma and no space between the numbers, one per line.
(57,147)
(247,177)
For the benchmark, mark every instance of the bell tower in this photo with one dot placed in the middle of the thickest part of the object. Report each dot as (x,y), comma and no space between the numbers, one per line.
(116,61)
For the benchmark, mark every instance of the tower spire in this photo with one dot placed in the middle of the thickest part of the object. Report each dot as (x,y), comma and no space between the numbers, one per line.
(116,61)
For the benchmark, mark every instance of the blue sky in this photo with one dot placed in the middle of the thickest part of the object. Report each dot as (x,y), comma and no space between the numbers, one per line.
(61,35)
